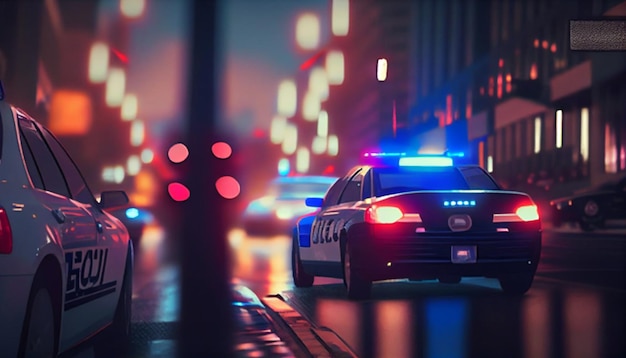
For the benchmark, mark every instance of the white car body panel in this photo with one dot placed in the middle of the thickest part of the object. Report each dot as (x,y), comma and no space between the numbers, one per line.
(38,236)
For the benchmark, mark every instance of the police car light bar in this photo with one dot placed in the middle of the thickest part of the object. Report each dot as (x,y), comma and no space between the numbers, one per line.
(383,154)
(425,162)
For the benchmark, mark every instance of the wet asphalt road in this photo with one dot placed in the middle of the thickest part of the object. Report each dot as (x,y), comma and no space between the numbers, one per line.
(576,307)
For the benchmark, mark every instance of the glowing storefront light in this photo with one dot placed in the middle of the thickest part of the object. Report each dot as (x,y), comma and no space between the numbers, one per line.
(137,133)
(287,98)
(584,133)
(490,164)
(559,128)
(290,143)
(132,8)
(130,106)
(340,17)
(318,83)
(147,155)
(115,87)
(319,145)
(303,160)
(70,112)
(308,31)
(98,62)
(537,135)
(118,174)
(333,145)
(133,165)
(322,124)
(277,129)
(335,67)
(381,69)
(311,106)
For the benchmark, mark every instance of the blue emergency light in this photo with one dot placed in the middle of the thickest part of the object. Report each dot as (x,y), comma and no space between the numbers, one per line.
(449,203)
(414,160)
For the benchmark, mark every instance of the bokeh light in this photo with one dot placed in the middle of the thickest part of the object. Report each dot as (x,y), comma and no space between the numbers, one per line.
(178,191)
(308,31)
(228,187)
(221,150)
(178,153)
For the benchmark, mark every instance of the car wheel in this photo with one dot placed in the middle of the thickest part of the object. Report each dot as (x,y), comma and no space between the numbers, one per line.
(39,335)
(516,284)
(449,279)
(300,277)
(591,217)
(116,339)
(358,288)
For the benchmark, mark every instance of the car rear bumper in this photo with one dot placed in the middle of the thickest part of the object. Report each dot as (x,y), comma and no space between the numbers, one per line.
(431,257)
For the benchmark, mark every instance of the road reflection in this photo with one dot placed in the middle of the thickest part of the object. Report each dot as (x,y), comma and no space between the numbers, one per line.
(261,263)
(547,322)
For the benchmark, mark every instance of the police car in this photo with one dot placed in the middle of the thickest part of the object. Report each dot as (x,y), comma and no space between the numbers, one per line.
(65,264)
(421,218)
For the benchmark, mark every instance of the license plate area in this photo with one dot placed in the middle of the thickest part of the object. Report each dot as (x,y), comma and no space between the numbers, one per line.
(463,254)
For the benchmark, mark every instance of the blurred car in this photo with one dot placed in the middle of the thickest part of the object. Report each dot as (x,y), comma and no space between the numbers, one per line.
(283,204)
(135,219)
(418,218)
(65,263)
(591,209)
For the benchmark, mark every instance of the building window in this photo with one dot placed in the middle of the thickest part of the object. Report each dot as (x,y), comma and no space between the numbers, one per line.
(584,134)
(537,134)
(559,128)
(610,149)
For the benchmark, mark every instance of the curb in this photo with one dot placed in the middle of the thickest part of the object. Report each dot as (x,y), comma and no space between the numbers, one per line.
(319,342)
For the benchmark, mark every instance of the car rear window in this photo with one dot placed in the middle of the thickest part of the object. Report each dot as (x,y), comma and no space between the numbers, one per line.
(396,180)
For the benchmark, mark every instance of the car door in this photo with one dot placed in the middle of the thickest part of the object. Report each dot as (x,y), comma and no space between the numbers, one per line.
(77,230)
(333,216)
(330,199)
(108,257)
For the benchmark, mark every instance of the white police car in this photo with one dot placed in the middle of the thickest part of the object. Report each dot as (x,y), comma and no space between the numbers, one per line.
(65,264)
(418,218)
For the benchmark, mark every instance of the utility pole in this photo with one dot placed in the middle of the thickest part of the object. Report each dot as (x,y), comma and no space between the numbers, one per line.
(206,328)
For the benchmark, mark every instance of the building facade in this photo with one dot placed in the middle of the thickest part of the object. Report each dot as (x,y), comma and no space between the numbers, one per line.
(529,109)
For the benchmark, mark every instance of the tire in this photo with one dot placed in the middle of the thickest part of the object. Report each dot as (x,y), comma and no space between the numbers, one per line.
(40,333)
(300,277)
(116,339)
(516,284)
(358,288)
(591,218)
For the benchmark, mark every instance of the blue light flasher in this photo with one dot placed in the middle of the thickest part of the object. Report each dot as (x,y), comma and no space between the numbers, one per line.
(459,203)
(132,213)
(384,154)
(425,161)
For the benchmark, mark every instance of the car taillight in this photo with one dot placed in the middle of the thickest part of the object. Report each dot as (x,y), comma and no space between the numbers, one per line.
(6,237)
(523,213)
(528,213)
(383,214)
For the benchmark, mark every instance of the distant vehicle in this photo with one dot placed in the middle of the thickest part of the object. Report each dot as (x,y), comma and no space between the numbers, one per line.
(418,218)
(65,263)
(591,209)
(135,219)
(277,211)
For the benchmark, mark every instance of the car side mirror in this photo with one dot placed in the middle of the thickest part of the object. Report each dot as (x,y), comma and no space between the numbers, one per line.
(113,199)
(314,202)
